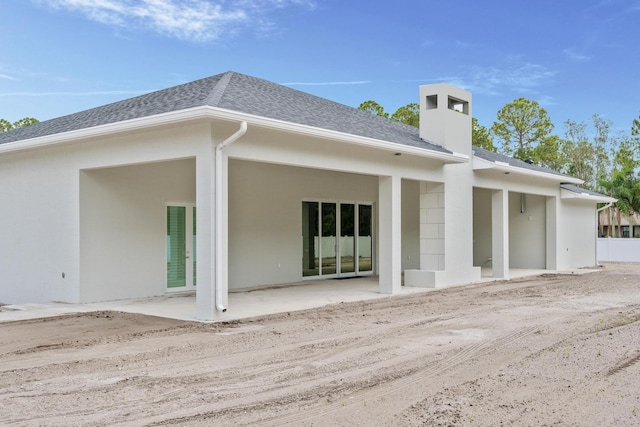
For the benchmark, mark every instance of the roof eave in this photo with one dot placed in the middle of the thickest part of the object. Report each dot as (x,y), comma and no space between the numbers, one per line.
(483,164)
(307,130)
(140,123)
(208,112)
(568,194)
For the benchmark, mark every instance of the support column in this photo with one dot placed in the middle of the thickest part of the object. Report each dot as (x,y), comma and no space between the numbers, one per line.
(205,244)
(500,233)
(432,226)
(389,239)
(552,216)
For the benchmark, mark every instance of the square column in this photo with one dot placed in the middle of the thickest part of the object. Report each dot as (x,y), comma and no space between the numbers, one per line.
(205,244)
(432,224)
(500,233)
(390,234)
(552,216)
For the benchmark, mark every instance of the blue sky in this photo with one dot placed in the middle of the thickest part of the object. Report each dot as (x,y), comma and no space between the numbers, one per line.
(575,57)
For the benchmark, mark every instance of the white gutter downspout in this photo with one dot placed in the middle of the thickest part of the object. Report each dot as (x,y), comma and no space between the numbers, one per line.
(608,205)
(219,210)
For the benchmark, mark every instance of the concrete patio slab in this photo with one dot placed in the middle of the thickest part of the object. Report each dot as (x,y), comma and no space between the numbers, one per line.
(245,303)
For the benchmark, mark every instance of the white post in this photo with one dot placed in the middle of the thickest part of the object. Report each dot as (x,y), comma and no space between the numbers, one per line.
(552,233)
(205,244)
(389,241)
(500,233)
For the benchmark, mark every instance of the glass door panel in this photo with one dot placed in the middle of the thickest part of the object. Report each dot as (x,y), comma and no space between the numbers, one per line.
(365,238)
(176,247)
(181,247)
(328,242)
(347,238)
(194,264)
(310,239)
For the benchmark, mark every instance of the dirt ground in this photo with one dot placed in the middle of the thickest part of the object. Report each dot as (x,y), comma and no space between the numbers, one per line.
(551,350)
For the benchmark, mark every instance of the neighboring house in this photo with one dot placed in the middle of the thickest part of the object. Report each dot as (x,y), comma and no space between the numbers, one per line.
(279,186)
(629,225)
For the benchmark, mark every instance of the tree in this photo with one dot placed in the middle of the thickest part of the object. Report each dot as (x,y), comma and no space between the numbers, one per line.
(409,115)
(480,136)
(623,183)
(374,108)
(521,125)
(635,127)
(601,144)
(579,153)
(6,125)
(549,153)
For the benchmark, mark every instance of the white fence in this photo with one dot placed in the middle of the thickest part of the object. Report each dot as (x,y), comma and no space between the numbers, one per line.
(620,250)
(346,246)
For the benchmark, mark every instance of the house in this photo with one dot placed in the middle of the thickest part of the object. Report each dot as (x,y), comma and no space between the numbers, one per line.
(614,223)
(234,182)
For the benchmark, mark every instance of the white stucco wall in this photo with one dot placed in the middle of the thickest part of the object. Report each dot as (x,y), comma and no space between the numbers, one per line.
(321,178)
(527,232)
(123,227)
(577,230)
(41,210)
(560,233)
(482,227)
(39,230)
(410,224)
(265,216)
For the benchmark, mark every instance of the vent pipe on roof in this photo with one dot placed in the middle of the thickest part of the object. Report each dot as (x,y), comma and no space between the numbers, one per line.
(219,211)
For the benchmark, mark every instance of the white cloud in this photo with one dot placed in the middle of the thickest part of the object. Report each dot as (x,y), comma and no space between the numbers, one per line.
(7,77)
(358,82)
(576,56)
(89,93)
(547,101)
(193,20)
(514,75)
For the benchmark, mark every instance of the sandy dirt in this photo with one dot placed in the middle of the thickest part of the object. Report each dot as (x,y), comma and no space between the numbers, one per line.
(547,351)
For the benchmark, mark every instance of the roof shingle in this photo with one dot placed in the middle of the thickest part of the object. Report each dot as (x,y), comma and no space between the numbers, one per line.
(236,92)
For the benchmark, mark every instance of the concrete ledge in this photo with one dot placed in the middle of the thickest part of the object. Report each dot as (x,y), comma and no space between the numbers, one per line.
(441,278)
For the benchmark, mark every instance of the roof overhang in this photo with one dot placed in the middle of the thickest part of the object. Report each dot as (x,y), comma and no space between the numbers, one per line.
(207,112)
(597,198)
(506,168)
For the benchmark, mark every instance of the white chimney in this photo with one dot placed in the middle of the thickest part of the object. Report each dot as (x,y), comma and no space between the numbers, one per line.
(445,117)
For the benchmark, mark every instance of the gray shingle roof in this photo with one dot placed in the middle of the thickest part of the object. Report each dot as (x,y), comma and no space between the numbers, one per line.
(241,93)
(496,157)
(580,190)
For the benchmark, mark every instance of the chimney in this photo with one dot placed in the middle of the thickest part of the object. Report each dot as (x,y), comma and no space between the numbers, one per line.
(445,117)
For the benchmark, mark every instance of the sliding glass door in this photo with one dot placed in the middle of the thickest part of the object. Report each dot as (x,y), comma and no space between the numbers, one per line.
(336,239)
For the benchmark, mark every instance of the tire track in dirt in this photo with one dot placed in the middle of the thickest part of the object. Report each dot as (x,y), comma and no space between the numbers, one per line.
(478,349)
(378,386)
(302,382)
(624,365)
(258,369)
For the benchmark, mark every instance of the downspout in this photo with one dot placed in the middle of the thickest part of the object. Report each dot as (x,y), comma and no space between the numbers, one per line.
(608,205)
(598,221)
(219,210)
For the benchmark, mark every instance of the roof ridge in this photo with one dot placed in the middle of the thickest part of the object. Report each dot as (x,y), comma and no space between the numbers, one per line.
(218,91)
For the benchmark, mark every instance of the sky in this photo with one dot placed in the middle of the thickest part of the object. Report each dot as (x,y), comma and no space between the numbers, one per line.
(575,58)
